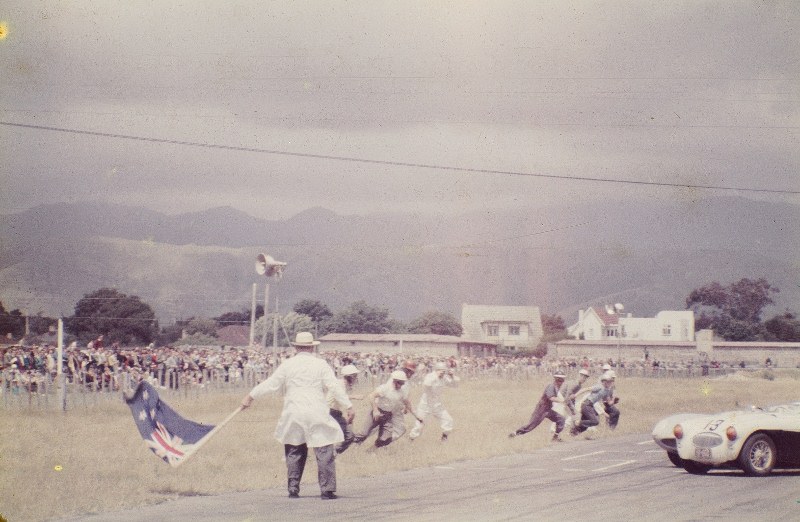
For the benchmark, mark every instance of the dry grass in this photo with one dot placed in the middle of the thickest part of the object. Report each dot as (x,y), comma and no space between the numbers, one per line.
(105,466)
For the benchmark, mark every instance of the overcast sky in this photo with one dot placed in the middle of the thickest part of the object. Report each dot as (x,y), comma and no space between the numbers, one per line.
(679,93)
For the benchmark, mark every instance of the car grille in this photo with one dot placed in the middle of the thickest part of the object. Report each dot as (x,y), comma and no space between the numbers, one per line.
(706,440)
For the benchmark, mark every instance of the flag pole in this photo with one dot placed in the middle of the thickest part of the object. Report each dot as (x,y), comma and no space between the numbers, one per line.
(207,436)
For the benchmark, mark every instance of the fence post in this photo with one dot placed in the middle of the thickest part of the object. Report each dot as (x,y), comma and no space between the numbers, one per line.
(62,382)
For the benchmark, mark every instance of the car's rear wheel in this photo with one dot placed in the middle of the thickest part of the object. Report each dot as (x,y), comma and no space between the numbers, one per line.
(695,468)
(675,459)
(758,455)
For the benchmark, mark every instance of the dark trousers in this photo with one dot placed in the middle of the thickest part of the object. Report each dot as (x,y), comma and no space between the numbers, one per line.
(541,413)
(296,463)
(346,429)
(613,415)
(382,422)
(589,416)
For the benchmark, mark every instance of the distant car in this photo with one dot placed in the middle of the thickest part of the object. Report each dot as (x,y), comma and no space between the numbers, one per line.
(756,440)
(663,435)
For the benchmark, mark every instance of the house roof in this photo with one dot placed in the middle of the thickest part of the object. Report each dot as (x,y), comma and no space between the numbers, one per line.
(473,316)
(484,313)
(604,316)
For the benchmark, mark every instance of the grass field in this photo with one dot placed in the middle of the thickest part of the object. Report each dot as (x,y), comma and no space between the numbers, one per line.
(88,460)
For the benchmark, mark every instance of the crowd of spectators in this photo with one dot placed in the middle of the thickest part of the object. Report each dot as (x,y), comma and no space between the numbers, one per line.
(97,367)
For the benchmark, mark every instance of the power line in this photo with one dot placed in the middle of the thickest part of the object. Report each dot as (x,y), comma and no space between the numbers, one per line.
(392,163)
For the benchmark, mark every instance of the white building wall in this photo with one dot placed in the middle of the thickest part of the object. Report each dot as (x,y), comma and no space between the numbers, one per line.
(593,328)
(665,326)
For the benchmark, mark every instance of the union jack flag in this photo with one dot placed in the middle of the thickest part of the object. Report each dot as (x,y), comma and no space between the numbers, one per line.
(171,437)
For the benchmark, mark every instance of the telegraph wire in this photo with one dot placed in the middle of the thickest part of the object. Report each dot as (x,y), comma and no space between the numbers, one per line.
(391,163)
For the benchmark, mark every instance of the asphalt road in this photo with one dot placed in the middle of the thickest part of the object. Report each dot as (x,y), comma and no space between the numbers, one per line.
(613,479)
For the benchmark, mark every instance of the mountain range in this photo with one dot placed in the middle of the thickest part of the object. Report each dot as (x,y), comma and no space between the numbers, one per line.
(648,256)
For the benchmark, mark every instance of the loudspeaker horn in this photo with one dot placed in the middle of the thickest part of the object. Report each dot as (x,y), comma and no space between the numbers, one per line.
(267,266)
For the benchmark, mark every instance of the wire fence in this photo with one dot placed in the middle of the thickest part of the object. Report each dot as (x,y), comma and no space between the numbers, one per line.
(40,391)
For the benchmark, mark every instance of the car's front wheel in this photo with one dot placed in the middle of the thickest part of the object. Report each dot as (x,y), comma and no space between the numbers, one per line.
(695,468)
(675,459)
(758,455)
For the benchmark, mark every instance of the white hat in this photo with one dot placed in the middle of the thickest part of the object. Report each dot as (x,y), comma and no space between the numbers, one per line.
(608,376)
(399,375)
(304,339)
(559,375)
(606,367)
(349,369)
(440,366)
(584,372)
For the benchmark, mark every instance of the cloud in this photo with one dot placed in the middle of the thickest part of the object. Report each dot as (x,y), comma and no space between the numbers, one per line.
(695,93)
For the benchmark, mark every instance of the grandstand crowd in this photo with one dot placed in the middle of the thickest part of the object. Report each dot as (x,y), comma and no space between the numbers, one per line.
(97,367)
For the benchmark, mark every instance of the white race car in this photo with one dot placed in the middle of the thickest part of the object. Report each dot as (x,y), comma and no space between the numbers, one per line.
(755,440)
(663,435)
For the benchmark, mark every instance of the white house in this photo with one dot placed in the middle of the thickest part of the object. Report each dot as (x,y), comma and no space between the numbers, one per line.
(595,324)
(513,327)
(667,325)
(601,323)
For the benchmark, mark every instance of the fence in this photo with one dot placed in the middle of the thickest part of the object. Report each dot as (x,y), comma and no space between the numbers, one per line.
(39,391)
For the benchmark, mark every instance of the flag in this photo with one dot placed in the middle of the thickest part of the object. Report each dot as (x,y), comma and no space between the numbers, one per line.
(171,437)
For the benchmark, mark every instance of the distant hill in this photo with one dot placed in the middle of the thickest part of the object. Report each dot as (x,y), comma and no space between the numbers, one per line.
(647,256)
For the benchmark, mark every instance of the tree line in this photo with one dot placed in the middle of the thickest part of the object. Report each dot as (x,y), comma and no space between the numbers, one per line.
(733,311)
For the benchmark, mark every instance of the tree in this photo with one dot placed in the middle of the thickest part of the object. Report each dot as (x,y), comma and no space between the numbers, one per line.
(236,318)
(319,314)
(169,335)
(288,326)
(553,330)
(207,327)
(433,322)
(783,327)
(40,324)
(120,318)
(11,323)
(553,324)
(733,311)
(359,317)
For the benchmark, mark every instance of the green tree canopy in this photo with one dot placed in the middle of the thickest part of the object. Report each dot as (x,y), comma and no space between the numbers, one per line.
(120,318)
(733,311)
(553,325)
(317,311)
(12,322)
(433,322)
(360,317)
(241,317)
(198,325)
(783,328)
(288,325)
(553,330)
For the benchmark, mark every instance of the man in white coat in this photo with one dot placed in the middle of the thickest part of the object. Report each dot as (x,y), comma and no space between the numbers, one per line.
(431,401)
(306,421)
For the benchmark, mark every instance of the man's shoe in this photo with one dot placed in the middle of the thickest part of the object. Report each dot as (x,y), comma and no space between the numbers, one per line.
(556,438)
(512,434)
(328,495)
(444,437)
(294,494)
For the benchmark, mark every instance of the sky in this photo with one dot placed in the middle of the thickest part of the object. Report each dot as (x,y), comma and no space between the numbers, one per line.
(364,106)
